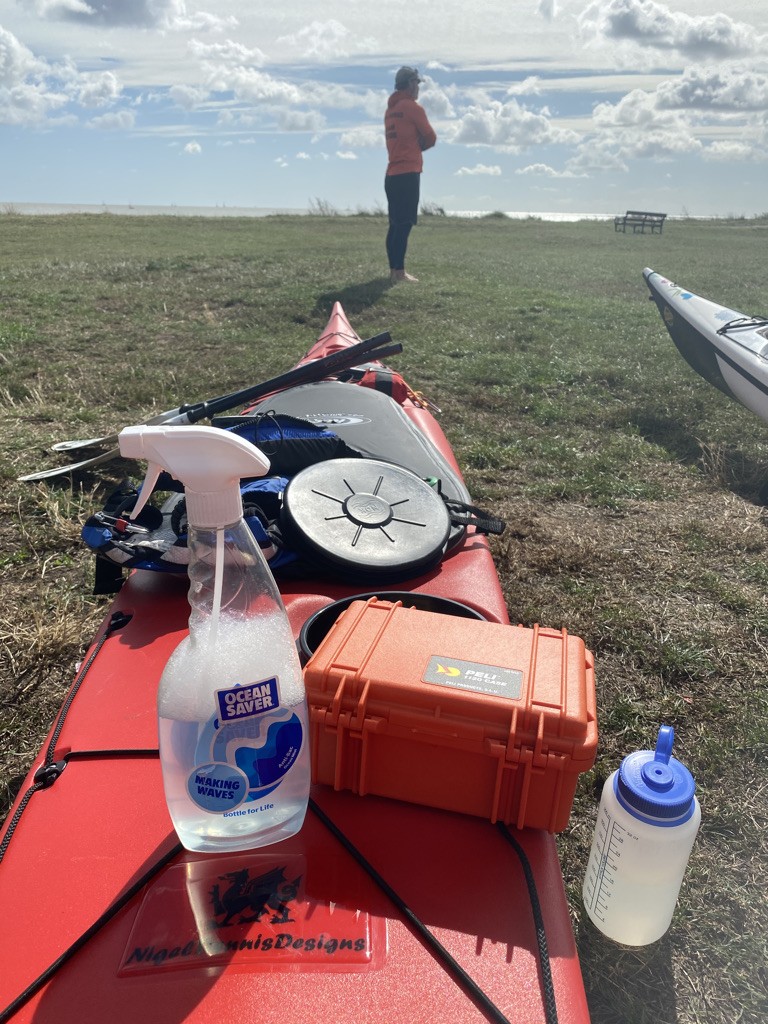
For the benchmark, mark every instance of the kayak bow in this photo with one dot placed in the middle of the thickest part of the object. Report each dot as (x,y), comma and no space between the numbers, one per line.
(727,348)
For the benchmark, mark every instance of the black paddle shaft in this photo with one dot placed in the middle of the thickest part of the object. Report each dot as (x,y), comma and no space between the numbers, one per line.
(307,373)
(374,349)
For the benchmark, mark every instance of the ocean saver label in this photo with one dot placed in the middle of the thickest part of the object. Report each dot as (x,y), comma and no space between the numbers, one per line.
(246,749)
(471,675)
(241,702)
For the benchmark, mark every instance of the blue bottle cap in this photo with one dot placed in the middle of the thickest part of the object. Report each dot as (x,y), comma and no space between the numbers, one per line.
(653,784)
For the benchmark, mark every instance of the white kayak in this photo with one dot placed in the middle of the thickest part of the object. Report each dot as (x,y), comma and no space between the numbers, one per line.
(727,348)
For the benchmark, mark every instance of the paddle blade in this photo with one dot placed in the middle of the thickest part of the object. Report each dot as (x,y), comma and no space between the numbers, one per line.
(48,474)
(83,443)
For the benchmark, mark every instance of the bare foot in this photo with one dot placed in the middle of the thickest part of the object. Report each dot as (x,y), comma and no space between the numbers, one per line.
(401,275)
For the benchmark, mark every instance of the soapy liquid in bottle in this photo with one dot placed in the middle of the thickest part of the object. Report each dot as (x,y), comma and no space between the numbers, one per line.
(253,777)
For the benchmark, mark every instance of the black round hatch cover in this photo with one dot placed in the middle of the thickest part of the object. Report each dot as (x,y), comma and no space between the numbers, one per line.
(363,517)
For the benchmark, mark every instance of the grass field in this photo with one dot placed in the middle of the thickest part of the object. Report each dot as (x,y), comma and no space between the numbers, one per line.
(631,488)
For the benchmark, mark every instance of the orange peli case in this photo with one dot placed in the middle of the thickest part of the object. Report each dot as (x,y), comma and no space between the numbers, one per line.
(478,717)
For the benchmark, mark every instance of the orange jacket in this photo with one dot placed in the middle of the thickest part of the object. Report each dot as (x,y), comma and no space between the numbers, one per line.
(408,134)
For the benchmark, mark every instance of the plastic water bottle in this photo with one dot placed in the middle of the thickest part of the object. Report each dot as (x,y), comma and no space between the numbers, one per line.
(232,709)
(646,825)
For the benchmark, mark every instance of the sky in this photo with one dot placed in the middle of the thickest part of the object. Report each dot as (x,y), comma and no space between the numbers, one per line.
(588,106)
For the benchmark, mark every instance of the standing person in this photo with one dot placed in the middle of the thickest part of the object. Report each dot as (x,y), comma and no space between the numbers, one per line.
(408,134)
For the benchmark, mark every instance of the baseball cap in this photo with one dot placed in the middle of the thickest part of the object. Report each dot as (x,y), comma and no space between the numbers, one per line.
(405,76)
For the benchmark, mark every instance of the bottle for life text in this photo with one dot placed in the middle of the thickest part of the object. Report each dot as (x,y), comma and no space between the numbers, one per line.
(232,709)
(646,825)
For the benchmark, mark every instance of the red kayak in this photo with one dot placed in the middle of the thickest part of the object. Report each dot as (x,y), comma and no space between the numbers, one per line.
(379,909)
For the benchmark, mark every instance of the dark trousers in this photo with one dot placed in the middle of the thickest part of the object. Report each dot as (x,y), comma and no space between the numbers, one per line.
(402,191)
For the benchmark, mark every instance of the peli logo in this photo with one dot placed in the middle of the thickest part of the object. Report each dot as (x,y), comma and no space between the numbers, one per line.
(252,910)
(495,680)
(448,670)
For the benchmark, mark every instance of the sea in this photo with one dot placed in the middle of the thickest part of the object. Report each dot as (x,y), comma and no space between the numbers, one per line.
(131,210)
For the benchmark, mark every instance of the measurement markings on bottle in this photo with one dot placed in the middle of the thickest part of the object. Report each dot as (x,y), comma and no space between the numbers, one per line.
(610,838)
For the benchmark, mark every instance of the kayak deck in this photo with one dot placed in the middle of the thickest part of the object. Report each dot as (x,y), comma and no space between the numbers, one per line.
(373,906)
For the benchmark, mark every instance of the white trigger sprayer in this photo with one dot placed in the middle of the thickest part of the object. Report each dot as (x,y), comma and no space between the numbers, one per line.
(232,710)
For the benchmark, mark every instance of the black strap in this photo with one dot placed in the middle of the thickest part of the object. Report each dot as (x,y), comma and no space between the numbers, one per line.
(545,965)
(463,514)
(451,965)
(743,323)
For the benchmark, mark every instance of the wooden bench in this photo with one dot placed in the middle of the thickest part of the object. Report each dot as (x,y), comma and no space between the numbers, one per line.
(638,220)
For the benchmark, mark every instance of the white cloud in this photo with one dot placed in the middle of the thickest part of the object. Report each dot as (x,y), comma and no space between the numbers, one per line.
(58,8)
(252,86)
(547,9)
(30,104)
(365,137)
(638,109)
(493,170)
(339,97)
(17,62)
(649,24)
(713,88)
(118,120)
(193,148)
(187,96)
(171,15)
(508,126)
(682,113)
(346,154)
(530,86)
(733,152)
(302,121)
(328,41)
(98,90)
(545,171)
(596,155)
(435,100)
(227,52)
(658,144)
(634,128)
(34,91)
(177,19)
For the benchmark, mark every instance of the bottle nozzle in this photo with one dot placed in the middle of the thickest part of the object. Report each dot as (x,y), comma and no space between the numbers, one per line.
(664,744)
(208,461)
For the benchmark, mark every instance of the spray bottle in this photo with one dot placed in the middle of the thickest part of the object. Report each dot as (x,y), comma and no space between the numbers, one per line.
(646,825)
(232,709)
